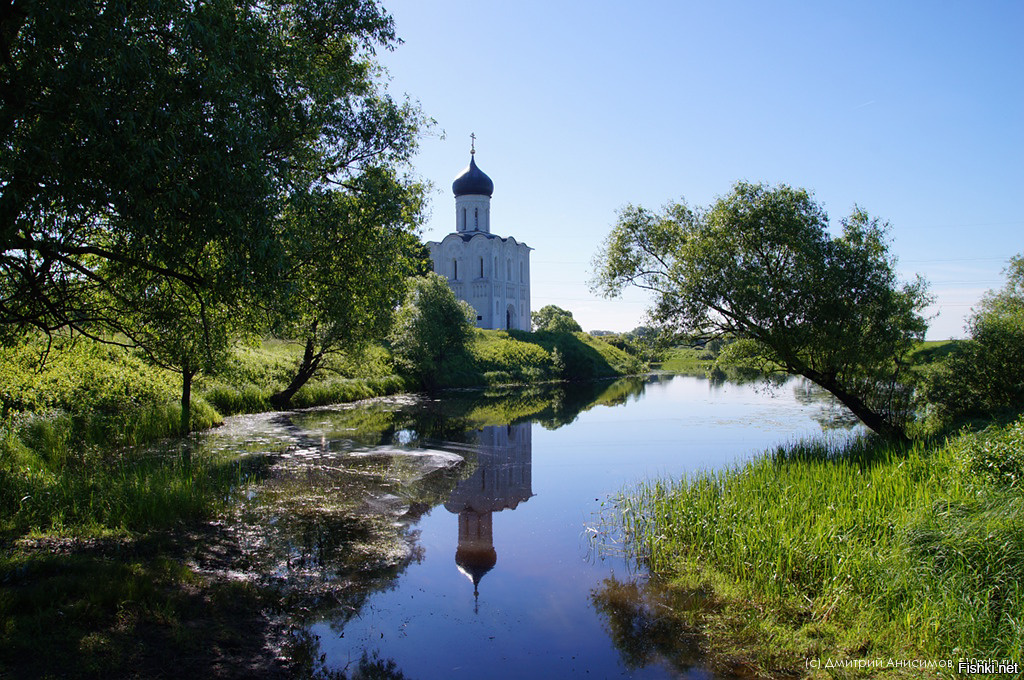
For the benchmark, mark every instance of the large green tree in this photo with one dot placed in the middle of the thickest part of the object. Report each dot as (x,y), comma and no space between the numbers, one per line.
(760,265)
(167,136)
(350,253)
(154,155)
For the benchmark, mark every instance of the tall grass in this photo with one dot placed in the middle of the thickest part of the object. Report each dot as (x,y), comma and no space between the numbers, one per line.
(63,472)
(919,544)
(340,390)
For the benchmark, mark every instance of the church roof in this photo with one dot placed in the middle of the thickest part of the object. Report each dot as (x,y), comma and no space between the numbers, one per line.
(472,180)
(468,236)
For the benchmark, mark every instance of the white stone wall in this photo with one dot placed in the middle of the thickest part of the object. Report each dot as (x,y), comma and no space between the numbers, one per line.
(490,273)
(473,213)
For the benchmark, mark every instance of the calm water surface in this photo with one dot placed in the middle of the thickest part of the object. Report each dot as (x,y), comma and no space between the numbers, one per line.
(452,537)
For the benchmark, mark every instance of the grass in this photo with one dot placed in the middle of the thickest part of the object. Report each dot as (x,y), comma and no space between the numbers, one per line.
(82,490)
(932,351)
(519,357)
(856,550)
(687,360)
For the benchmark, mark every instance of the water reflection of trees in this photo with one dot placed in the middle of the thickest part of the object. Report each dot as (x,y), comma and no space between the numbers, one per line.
(649,624)
(336,520)
(423,421)
(831,415)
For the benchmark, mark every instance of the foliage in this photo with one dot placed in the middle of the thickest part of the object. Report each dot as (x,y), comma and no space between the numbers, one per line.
(349,254)
(506,358)
(178,328)
(760,265)
(983,376)
(214,112)
(576,356)
(554,319)
(78,377)
(919,549)
(431,328)
(256,169)
(994,456)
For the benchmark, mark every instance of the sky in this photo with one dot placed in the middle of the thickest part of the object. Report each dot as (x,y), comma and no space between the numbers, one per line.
(913,111)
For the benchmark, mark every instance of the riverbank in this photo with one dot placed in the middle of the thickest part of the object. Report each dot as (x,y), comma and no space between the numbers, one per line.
(112,561)
(850,554)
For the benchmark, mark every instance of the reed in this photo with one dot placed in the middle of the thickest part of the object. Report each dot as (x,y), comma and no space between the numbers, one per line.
(914,544)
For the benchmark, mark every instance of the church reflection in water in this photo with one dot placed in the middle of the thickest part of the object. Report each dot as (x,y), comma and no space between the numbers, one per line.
(501,481)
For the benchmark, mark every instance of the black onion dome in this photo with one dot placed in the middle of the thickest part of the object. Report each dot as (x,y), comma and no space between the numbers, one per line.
(472,180)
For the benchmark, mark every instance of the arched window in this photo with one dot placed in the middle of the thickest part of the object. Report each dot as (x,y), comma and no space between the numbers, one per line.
(481,267)
(455,269)
(476,218)
(463,219)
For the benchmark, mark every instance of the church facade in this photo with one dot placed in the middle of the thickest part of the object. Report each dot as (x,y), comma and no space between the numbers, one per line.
(489,272)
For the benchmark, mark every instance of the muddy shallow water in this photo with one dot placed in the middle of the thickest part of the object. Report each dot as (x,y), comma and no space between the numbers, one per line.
(455,537)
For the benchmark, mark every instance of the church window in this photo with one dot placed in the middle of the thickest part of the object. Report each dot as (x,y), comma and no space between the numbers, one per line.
(497,272)
(476,217)
(520,272)
(481,267)
(508,269)
(463,219)
(455,270)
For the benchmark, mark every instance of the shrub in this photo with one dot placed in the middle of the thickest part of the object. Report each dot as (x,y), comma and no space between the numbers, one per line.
(432,327)
(995,455)
(983,376)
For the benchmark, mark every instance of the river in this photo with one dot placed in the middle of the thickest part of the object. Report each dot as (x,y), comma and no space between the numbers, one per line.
(454,537)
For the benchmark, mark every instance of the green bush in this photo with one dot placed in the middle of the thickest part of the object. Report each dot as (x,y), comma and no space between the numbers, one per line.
(341,390)
(229,400)
(79,377)
(983,376)
(995,455)
(431,328)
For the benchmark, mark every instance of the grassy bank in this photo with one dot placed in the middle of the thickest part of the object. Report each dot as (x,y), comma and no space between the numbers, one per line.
(857,551)
(68,423)
(687,360)
(519,358)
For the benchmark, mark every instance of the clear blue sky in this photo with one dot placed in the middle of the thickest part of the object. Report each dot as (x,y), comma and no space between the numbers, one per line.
(912,110)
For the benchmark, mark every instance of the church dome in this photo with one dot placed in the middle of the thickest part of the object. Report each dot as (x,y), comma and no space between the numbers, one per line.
(472,180)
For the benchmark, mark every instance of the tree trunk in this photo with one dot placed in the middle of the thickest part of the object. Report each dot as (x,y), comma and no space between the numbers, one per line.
(186,398)
(307,369)
(874,420)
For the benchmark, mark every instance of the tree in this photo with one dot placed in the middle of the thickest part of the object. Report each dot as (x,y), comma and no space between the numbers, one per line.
(155,156)
(555,319)
(180,330)
(431,327)
(760,266)
(351,253)
(165,136)
(985,374)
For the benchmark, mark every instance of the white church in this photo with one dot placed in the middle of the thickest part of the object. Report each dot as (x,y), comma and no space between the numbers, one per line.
(489,272)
